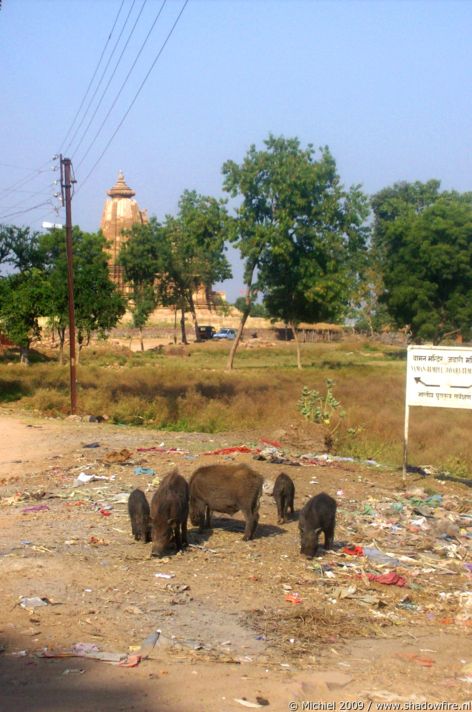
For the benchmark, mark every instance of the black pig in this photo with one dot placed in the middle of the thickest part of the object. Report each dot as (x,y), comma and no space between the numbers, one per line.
(318,515)
(169,512)
(228,489)
(138,510)
(284,494)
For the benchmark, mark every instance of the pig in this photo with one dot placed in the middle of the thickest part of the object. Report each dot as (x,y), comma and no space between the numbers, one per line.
(169,512)
(318,515)
(138,510)
(228,489)
(283,493)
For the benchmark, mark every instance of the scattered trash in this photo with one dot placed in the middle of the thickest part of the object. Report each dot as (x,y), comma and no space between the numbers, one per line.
(294,598)
(91,445)
(164,576)
(70,671)
(353,550)
(118,456)
(390,579)
(415,658)
(35,508)
(231,450)
(144,471)
(34,602)
(105,512)
(245,703)
(84,479)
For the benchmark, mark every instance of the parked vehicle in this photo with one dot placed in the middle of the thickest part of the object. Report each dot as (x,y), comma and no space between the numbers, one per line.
(206,332)
(225,333)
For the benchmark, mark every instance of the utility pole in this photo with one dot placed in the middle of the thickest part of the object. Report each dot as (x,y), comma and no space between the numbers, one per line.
(66,185)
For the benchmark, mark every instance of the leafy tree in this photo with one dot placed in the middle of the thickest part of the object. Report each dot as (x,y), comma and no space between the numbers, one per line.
(22,300)
(23,293)
(142,257)
(195,253)
(298,231)
(168,262)
(257,310)
(98,304)
(424,241)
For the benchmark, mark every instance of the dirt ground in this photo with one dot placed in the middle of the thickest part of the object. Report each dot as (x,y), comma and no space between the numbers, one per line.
(242,624)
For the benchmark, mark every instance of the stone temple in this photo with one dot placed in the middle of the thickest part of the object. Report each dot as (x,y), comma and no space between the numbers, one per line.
(120,213)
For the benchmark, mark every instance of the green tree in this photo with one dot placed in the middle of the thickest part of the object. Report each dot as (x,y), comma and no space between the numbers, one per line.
(98,304)
(195,257)
(142,257)
(22,293)
(424,241)
(22,300)
(257,310)
(169,262)
(299,232)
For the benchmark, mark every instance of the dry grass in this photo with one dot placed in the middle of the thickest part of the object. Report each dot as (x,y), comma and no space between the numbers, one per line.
(175,391)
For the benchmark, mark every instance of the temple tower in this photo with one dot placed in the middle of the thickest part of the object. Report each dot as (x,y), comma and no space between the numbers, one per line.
(120,213)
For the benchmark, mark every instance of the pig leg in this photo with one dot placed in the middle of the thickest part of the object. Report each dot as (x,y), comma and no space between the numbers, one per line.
(281,509)
(207,517)
(251,525)
(184,533)
(329,537)
(177,538)
(290,504)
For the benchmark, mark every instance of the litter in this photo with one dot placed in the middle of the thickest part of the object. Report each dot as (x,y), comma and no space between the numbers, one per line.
(231,450)
(294,598)
(164,576)
(245,703)
(390,579)
(34,602)
(144,471)
(92,445)
(35,508)
(353,550)
(118,456)
(84,479)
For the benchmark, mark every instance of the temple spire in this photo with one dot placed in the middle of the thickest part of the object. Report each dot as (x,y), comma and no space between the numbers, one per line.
(121,189)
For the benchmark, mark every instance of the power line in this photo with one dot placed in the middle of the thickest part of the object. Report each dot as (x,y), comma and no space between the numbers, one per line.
(27,210)
(67,149)
(26,179)
(123,84)
(137,93)
(111,78)
(93,75)
(21,202)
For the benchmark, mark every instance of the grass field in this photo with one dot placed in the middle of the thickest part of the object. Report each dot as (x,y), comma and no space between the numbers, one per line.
(188,389)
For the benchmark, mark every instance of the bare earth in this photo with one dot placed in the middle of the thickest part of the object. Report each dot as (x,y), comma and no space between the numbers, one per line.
(232,632)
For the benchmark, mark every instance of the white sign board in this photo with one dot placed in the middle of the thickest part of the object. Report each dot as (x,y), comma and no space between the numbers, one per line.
(439,377)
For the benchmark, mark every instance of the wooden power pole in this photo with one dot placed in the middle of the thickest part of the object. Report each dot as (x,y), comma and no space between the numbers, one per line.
(66,185)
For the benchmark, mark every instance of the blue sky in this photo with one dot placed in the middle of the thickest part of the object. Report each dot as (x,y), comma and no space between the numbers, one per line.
(386,85)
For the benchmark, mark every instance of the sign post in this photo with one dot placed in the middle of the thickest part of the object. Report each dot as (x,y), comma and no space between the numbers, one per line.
(436,377)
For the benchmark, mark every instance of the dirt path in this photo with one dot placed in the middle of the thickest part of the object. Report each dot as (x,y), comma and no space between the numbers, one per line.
(229,630)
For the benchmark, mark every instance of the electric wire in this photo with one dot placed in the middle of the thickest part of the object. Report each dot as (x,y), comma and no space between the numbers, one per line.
(93,76)
(118,94)
(136,95)
(67,149)
(26,179)
(27,210)
(110,79)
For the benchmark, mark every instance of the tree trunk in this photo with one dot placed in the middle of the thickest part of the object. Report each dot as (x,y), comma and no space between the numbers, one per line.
(175,325)
(244,316)
(24,355)
(141,340)
(182,327)
(62,338)
(297,342)
(193,312)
